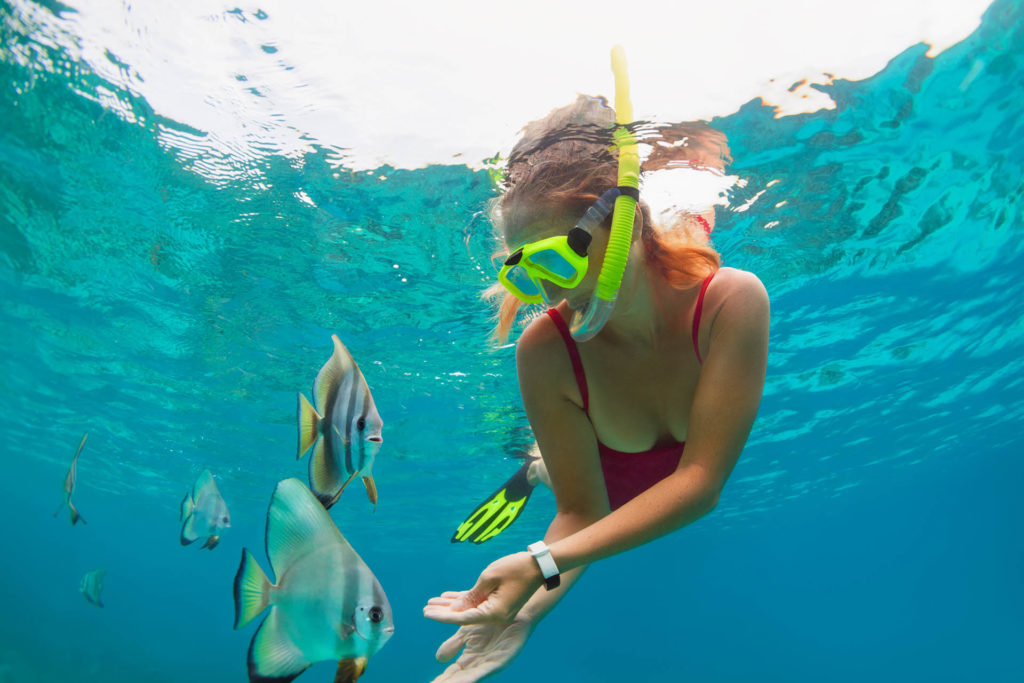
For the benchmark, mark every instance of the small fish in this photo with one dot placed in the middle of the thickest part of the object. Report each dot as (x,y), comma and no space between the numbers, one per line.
(326,604)
(69,486)
(204,512)
(344,428)
(91,586)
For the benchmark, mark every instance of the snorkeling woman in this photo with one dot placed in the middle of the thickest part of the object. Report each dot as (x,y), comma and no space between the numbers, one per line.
(639,417)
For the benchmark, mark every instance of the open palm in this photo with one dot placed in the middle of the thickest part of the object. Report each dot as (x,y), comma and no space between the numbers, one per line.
(486,649)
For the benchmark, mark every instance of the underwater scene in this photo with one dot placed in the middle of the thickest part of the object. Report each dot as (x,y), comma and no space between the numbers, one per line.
(163,306)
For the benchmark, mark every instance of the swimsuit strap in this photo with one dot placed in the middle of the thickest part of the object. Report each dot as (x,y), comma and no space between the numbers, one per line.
(574,356)
(696,315)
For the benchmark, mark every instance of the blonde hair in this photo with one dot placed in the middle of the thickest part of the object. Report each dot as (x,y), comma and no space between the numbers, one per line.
(564,162)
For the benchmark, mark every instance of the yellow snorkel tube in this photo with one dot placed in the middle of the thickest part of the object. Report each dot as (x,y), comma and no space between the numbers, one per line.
(589,322)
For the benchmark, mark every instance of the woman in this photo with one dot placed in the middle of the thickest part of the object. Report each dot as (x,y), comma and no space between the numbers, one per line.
(640,425)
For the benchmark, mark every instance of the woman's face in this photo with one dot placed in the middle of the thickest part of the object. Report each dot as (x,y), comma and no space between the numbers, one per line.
(577,297)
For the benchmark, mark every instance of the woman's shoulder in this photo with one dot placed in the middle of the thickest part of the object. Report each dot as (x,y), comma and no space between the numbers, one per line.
(738,293)
(540,339)
(733,283)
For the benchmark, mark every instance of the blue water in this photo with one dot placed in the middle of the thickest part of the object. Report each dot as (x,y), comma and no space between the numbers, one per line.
(871,531)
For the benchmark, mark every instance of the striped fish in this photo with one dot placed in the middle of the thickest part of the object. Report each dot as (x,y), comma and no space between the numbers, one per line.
(341,426)
(326,604)
(70,480)
(91,586)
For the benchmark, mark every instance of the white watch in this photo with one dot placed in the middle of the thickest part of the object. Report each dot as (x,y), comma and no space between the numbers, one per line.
(548,569)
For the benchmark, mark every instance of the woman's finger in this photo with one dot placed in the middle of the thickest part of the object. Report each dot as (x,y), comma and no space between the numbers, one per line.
(451,647)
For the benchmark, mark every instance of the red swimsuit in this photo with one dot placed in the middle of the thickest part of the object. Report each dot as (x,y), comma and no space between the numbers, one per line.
(627,475)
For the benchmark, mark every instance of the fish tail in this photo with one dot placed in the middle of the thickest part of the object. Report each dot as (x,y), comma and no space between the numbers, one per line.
(75,517)
(187,505)
(309,425)
(252,590)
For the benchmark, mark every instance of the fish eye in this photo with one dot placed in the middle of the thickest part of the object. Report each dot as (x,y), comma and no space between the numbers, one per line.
(361,424)
(224,519)
(376,615)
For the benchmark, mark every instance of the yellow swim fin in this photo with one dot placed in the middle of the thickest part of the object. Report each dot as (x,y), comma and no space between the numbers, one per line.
(500,509)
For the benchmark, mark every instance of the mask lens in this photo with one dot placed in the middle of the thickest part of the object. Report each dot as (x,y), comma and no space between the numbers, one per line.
(554,263)
(519,279)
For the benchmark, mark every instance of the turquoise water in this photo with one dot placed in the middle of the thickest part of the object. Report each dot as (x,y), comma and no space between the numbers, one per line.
(871,531)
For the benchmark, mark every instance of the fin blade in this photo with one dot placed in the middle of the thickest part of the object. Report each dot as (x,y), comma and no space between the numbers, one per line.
(498,511)
(297,522)
(212,542)
(273,657)
(252,590)
(371,489)
(309,425)
(350,669)
(324,475)
(189,534)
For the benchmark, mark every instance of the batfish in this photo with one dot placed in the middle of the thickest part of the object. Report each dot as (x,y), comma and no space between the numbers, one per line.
(326,604)
(69,486)
(91,586)
(343,428)
(203,512)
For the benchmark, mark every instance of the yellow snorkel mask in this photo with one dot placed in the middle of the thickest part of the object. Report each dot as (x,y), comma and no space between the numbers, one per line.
(562,260)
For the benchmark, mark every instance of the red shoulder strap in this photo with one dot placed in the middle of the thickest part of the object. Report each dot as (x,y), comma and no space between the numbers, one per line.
(574,356)
(696,315)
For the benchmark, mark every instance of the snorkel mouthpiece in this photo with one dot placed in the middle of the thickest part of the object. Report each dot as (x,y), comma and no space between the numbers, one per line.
(588,323)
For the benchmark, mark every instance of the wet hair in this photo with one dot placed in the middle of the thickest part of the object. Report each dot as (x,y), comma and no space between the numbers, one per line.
(565,161)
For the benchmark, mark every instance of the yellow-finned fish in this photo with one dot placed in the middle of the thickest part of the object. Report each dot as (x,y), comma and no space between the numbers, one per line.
(342,426)
(70,481)
(204,512)
(326,604)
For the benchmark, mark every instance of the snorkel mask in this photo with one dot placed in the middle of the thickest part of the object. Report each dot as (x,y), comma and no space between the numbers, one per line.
(562,260)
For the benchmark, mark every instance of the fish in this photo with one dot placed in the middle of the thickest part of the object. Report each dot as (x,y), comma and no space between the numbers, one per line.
(326,604)
(342,426)
(91,586)
(70,481)
(204,513)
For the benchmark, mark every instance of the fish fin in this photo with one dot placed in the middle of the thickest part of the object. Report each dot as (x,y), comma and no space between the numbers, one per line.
(498,512)
(211,542)
(204,484)
(187,505)
(371,489)
(273,657)
(81,445)
(297,522)
(75,517)
(349,670)
(188,530)
(324,475)
(329,378)
(252,590)
(309,425)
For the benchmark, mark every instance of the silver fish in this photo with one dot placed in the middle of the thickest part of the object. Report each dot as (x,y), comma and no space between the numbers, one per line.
(326,604)
(343,428)
(204,512)
(91,586)
(70,480)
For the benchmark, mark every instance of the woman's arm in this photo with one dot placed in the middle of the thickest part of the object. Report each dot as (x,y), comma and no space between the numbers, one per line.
(724,407)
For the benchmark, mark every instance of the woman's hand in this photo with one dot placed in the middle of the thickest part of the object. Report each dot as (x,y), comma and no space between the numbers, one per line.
(500,592)
(489,648)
